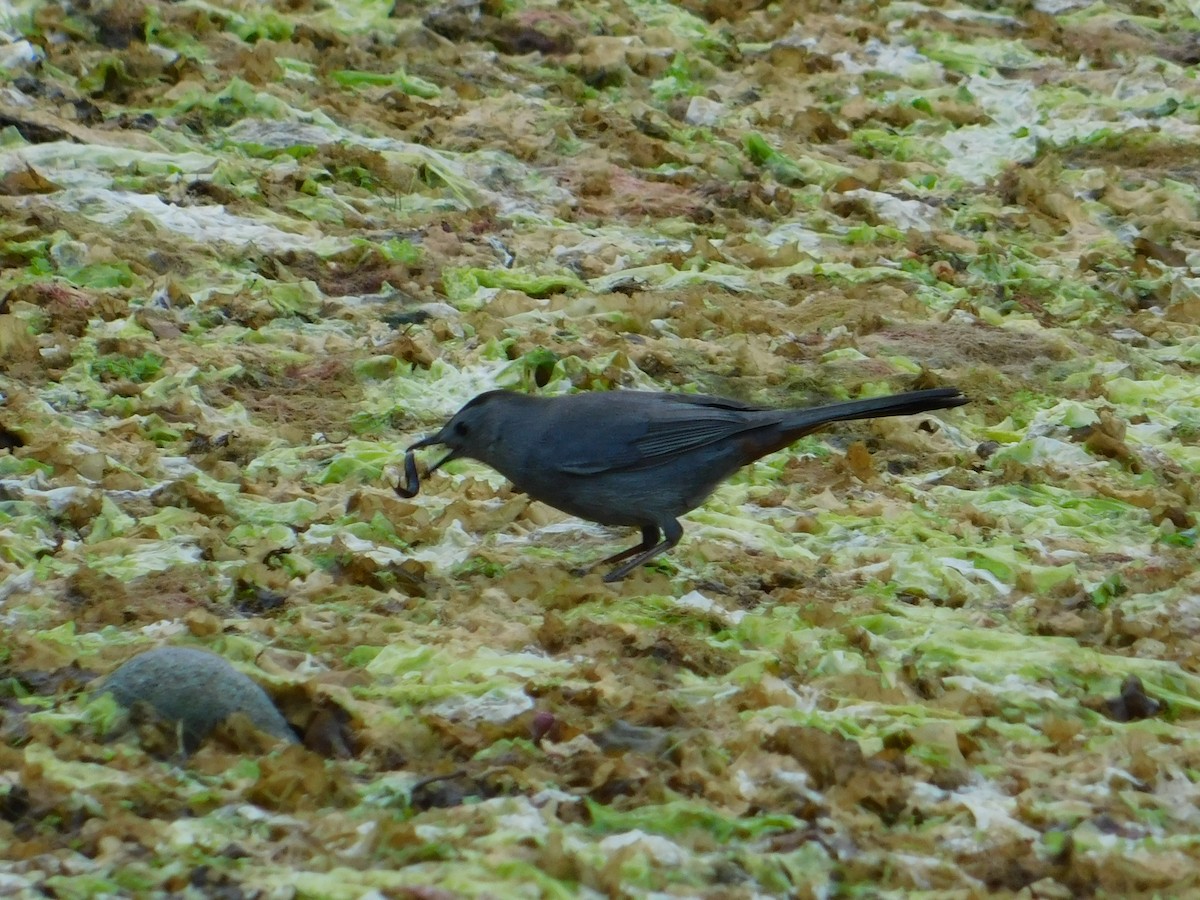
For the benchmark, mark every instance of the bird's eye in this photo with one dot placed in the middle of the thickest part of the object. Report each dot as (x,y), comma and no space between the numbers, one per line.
(461,429)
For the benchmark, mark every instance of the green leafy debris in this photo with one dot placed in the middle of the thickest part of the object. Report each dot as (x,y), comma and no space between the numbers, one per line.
(250,253)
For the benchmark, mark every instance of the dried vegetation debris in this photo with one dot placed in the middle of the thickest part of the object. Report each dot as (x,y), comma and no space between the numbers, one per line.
(247,251)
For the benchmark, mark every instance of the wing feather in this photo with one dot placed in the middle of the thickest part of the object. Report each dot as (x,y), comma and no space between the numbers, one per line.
(671,425)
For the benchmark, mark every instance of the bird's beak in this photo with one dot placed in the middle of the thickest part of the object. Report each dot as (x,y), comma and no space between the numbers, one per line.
(411,485)
(429,442)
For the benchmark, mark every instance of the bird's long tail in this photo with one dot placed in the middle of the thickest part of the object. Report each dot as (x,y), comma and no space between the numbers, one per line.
(802,421)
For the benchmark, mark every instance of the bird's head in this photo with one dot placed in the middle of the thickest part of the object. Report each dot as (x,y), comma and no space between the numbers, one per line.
(474,429)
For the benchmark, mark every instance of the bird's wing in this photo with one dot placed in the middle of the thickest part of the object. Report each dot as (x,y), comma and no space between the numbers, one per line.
(655,429)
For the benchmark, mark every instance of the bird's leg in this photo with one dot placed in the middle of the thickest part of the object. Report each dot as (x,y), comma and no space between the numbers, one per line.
(649,539)
(672,532)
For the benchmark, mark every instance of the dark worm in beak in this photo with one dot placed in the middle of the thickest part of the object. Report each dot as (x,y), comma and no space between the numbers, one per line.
(411,485)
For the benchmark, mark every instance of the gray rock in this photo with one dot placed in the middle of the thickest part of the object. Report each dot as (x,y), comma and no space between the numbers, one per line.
(196,690)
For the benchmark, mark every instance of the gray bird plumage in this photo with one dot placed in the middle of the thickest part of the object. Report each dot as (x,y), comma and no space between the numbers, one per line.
(636,458)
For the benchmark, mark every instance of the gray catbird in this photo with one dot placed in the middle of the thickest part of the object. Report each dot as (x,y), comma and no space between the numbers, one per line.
(633,457)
